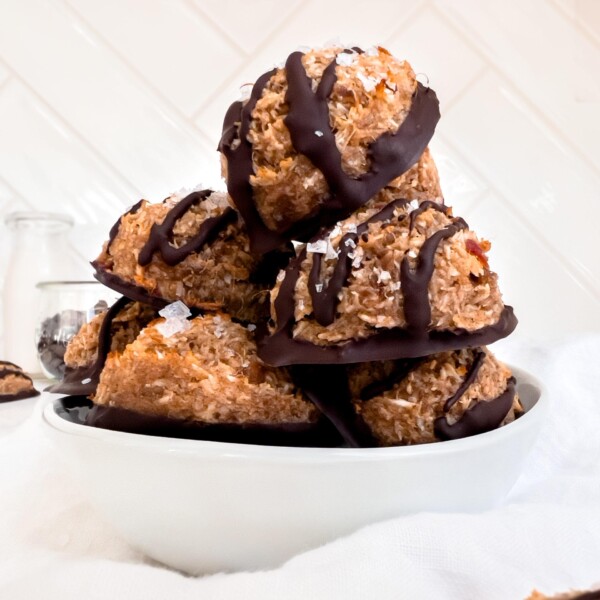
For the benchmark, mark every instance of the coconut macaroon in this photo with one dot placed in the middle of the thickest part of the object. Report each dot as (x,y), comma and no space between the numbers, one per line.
(321,136)
(193,249)
(203,370)
(405,280)
(125,326)
(14,383)
(109,331)
(444,396)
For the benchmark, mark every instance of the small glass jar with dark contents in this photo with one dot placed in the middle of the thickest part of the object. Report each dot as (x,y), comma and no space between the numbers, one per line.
(64,307)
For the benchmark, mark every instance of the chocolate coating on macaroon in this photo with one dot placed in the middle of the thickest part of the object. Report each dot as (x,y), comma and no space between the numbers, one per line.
(320,138)
(399,281)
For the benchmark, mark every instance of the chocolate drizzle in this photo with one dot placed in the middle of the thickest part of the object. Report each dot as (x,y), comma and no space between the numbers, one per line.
(483,416)
(414,340)
(471,375)
(400,371)
(161,235)
(391,154)
(237,149)
(82,411)
(415,282)
(325,301)
(84,380)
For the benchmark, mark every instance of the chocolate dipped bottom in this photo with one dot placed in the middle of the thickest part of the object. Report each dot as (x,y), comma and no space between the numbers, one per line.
(201,379)
(400,281)
(445,396)
(318,139)
(82,411)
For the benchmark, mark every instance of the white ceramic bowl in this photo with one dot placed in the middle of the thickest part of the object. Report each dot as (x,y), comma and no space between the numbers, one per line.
(203,507)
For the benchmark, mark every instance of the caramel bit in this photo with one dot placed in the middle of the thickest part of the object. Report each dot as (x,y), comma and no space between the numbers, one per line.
(478,250)
(256,372)
(383,50)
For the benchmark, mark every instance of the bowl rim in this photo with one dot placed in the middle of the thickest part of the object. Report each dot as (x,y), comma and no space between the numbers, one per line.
(187,447)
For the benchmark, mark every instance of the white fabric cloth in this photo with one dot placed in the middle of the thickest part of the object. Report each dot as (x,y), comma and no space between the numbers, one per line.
(53,545)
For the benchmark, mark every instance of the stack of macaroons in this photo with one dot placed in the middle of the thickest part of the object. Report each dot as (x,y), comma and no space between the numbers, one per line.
(329,298)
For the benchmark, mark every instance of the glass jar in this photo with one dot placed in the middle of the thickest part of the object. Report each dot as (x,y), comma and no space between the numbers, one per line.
(40,252)
(64,307)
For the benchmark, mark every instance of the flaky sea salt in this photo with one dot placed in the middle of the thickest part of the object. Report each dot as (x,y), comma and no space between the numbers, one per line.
(372,51)
(369,83)
(358,256)
(319,287)
(318,247)
(350,243)
(412,254)
(280,276)
(245,91)
(383,276)
(175,310)
(170,327)
(319,133)
(413,205)
(251,327)
(337,230)
(175,315)
(345,59)
(331,252)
